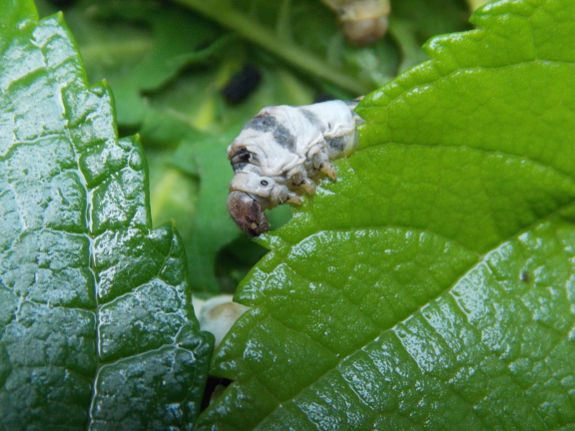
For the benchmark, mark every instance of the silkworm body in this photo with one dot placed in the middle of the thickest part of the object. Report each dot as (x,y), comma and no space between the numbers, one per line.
(364,21)
(282,152)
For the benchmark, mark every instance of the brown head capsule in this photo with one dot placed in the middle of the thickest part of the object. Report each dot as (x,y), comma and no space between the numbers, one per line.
(248,213)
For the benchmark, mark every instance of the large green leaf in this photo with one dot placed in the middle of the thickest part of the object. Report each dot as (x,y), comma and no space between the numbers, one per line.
(96,324)
(431,287)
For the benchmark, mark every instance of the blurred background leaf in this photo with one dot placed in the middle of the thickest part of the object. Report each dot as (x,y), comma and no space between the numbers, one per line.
(167,66)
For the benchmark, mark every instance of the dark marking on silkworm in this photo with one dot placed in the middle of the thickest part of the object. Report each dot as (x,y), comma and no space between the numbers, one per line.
(323,97)
(268,123)
(243,157)
(239,166)
(238,151)
(262,123)
(312,118)
(337,144)
(283,137)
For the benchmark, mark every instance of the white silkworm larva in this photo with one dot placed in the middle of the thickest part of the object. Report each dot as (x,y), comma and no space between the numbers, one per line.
(282,152)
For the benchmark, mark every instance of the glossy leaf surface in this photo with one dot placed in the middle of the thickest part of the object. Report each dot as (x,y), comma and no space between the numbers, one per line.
(96,323)
(431,287)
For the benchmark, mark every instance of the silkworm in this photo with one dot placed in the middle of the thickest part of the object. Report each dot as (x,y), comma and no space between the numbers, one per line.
(282,152)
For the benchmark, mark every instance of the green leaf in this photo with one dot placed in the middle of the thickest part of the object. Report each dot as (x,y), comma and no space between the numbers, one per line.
(134,60)
(431,287)
(305,35)
(16,11)
(212,227)
(413,22)
(96,325)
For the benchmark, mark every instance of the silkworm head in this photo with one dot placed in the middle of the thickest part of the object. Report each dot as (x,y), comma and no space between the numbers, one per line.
(248,213)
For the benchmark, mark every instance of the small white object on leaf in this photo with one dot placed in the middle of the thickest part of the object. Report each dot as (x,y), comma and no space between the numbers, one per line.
(217,315)
(364,21)
(282,152)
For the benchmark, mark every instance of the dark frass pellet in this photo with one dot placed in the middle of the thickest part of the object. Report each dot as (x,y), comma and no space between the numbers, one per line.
(242,84)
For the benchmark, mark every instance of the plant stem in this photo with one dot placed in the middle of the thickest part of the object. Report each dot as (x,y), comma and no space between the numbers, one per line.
(291,53)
